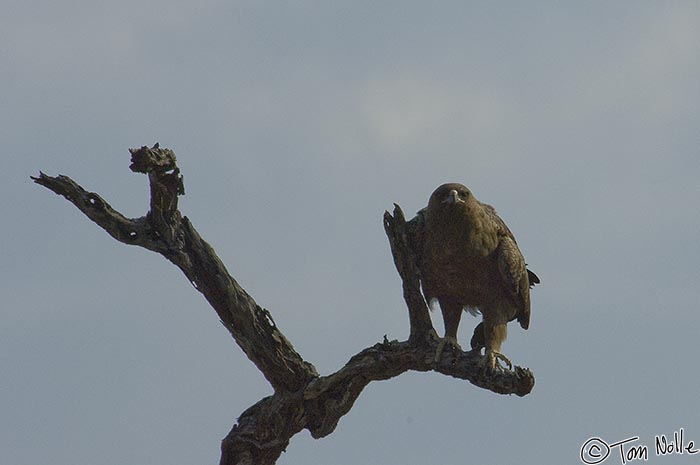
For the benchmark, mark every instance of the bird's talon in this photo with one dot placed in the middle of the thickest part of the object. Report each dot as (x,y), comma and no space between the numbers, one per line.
(505,360)
(491,361)
(447,340)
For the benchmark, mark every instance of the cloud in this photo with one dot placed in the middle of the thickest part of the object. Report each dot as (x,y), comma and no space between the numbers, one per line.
(403,108)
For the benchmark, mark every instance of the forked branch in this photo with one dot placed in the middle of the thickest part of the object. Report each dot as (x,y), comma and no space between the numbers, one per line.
(301,399)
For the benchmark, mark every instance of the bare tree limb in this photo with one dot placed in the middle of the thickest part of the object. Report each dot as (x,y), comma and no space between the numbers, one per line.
(165,231)
(302,399)
(404,239)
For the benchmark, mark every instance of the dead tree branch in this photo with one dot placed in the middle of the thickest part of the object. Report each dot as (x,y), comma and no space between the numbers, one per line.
(302,399)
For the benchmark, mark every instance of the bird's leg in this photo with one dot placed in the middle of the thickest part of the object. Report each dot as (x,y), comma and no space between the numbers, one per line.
(494,334)
(451,315)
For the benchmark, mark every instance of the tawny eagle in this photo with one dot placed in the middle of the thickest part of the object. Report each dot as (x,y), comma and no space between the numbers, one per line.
(469,260)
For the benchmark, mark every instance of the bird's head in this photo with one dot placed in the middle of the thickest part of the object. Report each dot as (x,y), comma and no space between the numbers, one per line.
(450,196)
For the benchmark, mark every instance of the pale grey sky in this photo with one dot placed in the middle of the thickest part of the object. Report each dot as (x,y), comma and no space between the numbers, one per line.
(296,125)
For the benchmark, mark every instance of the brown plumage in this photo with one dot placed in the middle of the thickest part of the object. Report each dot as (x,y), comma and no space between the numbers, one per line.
(471,261)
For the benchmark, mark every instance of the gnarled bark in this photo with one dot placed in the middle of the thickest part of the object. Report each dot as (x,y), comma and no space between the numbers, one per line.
(302,398)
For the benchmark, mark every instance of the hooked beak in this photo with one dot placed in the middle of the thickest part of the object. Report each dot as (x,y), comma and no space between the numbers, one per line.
(453,198)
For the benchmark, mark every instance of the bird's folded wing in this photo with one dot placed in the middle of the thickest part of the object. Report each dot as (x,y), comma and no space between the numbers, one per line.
(511,266)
